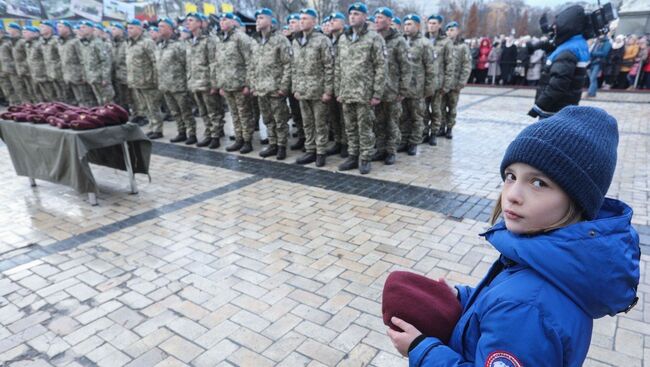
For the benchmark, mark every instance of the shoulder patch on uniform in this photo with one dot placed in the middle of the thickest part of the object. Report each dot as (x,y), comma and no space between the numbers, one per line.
(502,359)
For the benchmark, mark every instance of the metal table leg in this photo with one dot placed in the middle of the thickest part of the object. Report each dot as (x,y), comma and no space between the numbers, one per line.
(32,182)
(92,198)
(129,168)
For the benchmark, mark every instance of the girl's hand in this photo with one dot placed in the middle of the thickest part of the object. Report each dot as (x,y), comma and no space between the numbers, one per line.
(402,340)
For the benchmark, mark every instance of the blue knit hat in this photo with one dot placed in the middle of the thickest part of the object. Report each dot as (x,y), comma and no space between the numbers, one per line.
(576,148)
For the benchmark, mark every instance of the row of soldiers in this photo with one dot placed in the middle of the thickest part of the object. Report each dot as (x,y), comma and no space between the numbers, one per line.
(377,89)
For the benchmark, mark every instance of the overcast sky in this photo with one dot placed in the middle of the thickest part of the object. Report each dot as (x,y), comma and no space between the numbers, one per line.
(431,6)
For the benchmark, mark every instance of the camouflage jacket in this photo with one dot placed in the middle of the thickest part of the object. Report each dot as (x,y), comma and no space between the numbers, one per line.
(52,59)
(420,55)
(35,60)
(335,38)
(170,61)
(270,68)
(119,61)
(95,60)
(20,58)
(141,63)
(233,51)
(360,66)
(398,78)
(312,72)
(7,57)
(462,65)
(71,60)
(200,58)
(443,61)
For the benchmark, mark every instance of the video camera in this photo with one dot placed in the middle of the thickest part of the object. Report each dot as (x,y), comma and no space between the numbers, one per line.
(595,23)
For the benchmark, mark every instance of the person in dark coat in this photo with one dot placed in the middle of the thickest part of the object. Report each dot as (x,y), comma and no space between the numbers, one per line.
(508,61)
(614,61)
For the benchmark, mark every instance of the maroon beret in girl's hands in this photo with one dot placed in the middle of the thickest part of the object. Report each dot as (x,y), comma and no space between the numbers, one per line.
(429,305)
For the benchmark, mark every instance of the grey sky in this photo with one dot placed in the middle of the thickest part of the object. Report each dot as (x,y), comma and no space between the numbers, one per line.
(431,6)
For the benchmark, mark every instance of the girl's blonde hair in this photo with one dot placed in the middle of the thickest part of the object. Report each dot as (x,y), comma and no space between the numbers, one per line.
(572,216)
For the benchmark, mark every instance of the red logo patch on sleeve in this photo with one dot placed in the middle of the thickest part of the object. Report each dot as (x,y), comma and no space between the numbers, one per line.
(502,359)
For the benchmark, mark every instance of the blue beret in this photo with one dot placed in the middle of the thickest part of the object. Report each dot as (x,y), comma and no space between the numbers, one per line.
(264,11)
(451,25)
(294,16)
(397,20)
(87,23)
(371,18)
(286,27)
(98,26)
(66,23)
(193,15)
(274,21)
(358,7)
(413,17)
(117,25)
(185,30)
(437,17)
(167,20)
(230,16)
(309,11)
(31,28)
(202,16)
(387,12)
(327,19)
(15,26)
(135,22)
(153,29)
(47,23)
(337,15)
(76,27)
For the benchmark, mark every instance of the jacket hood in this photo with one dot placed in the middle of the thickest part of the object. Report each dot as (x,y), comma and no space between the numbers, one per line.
(595,263)
(569,22)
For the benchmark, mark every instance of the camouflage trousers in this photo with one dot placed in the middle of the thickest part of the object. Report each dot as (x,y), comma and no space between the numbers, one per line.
(275,113)
(337,123)
(242,116)
(448,108)
(152,99)
(411,123)
(359,121)
(180,107)
(83,94)
(20,89)
(31,90)
(8,90)
(122,95)
(63,92)
(314,123)
(211,110)
(103,93)
(434,109)
(386,127)
(296,116)
(47,91)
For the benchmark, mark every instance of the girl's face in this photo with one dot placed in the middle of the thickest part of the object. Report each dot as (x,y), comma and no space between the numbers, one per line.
(530,201)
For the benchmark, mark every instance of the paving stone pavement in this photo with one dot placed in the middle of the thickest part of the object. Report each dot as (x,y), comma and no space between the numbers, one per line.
(224,260)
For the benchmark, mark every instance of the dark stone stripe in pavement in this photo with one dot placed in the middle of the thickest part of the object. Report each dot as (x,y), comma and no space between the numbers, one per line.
(524,124)
(37,252)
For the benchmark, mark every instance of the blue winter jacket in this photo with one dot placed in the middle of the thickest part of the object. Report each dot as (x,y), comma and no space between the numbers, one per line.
(537,304)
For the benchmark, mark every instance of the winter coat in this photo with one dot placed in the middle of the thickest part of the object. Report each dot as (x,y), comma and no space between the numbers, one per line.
(537,304)
(483,55)
(562,77)
(535,65)
(494,69)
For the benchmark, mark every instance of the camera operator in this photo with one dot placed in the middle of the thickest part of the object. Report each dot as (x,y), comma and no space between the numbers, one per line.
(565,71)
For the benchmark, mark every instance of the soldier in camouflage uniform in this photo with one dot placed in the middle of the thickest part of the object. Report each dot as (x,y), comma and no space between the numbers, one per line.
(270,77)
(337,123)
(360,79)
(443,66)
(293,21)
(71,65)
(36,64)
(8,77)
(141,75)
(120,84)
(462,69)
(22,68)
(96,63)
(172,81)
(200,64)
(52,61)
(234,49)
(398,80)
(420,55)
(312,82)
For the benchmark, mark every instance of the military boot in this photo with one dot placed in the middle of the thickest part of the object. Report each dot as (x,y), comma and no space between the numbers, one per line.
(378,156)
(344,151)
(320,160)
(269,151)
(390,159)
(237,145)
(412,149)
(307,158)
(449,135)
(300,144)
(214,144)
(282,153)
(402,147)
(351,163)
(191,140)
(205,142)
(246,148)
(364,168)
(441,131)
(432,140)
(334,149)
(181,137)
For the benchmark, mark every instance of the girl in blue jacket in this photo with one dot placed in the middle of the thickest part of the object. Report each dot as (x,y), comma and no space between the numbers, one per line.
(568,254)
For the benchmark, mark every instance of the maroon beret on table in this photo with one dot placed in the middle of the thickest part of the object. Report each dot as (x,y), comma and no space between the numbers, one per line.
(427,304)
